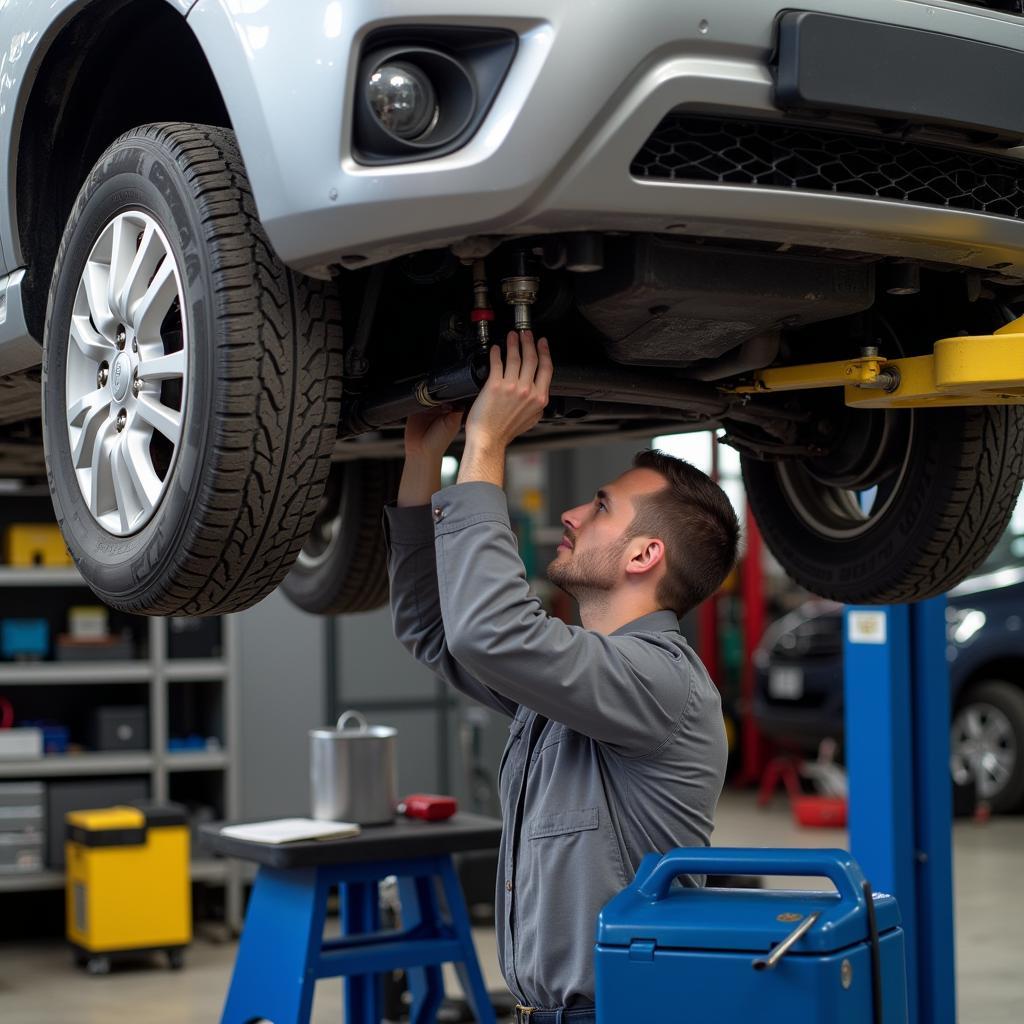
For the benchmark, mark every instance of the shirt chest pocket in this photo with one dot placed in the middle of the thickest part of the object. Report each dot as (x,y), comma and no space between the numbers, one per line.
(563,823)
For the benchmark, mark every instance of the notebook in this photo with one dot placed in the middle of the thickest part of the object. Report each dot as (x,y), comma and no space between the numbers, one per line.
(290,830)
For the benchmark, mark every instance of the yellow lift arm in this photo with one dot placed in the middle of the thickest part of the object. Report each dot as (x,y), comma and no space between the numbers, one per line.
(975,370)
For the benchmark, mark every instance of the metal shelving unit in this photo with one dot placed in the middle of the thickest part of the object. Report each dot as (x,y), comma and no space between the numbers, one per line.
(31,881)
(158,671)
(196,761)
(77,764)
(40,576)
(60,673)
(186,670)
(204,869)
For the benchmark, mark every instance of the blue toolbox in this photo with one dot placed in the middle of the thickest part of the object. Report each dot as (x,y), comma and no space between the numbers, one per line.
(702,956)
(24,639)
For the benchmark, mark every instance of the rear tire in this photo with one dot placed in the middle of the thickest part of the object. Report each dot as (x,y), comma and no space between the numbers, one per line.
(343,565)
(947,505)
(254,406)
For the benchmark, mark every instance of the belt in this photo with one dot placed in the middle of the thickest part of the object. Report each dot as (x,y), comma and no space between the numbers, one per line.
(532,1015)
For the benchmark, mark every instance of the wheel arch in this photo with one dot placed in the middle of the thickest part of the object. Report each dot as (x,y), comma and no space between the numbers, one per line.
(93,77)
(1006,667)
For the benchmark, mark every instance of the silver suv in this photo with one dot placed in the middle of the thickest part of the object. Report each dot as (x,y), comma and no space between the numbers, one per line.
(203,199)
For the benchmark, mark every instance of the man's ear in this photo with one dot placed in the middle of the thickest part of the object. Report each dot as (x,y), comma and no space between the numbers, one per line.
(651,553)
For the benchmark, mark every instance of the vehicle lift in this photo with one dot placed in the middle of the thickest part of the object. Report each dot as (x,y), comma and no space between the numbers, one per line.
(900,818)
(985,369)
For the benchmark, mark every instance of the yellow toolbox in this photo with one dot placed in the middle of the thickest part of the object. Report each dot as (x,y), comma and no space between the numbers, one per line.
(128,886)
(28,544)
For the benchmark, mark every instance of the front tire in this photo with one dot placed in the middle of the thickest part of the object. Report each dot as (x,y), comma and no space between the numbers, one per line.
(190,490)
(903,520)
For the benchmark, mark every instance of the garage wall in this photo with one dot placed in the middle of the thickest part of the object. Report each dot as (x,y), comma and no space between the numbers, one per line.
(377,676)
(282,697)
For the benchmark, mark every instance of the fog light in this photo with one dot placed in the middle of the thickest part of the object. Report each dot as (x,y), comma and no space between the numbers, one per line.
(414,102)
(403,100)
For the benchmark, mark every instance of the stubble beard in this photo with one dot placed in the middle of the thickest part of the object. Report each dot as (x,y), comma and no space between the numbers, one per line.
(589,574)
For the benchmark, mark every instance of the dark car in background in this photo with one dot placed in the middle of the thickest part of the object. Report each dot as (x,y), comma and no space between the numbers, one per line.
(799,668)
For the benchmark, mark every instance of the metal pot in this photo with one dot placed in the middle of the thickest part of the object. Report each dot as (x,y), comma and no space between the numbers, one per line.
(353,772)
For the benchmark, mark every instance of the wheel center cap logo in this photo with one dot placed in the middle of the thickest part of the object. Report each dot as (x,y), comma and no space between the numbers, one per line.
(120,377)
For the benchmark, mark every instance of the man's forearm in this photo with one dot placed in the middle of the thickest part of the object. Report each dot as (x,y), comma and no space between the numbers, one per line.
(421,477)
(415,605)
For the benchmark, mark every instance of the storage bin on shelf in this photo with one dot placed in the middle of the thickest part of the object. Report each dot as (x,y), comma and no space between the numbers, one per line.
(28,544)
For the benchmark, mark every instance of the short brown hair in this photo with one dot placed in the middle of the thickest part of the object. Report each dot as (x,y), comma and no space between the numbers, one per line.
(697,524)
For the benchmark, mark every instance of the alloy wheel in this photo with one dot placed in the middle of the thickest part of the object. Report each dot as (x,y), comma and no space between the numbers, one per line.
(983,747)
(327,526)
(127,373)
(844,499)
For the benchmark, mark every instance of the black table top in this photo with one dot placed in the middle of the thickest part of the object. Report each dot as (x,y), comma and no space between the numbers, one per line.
(403,838)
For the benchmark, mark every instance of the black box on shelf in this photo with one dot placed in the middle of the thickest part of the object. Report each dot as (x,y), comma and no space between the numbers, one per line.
(81,795)
(194,638)
(120,728)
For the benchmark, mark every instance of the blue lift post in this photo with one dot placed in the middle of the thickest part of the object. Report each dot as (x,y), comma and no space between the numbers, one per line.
(900,805)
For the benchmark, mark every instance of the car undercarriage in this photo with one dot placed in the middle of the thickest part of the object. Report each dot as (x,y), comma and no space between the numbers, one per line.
(648,333)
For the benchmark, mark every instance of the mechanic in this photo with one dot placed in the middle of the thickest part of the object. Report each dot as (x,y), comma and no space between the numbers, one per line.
(617,745)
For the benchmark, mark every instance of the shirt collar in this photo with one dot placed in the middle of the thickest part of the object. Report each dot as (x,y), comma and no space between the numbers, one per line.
(661,621)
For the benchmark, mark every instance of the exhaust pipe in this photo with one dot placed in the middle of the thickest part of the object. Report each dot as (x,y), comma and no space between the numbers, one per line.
(458,384)
(393,405)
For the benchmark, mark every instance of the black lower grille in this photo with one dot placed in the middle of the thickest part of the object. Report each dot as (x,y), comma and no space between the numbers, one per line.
(686,148)
(1012,6)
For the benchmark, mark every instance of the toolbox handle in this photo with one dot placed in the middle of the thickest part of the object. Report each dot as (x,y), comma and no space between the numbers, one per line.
(836,865)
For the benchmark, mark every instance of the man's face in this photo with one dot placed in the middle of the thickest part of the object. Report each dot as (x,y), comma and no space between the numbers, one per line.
(595,548)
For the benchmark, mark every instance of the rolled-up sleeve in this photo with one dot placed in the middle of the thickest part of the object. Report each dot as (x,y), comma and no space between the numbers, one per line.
(628,691)
(415,604)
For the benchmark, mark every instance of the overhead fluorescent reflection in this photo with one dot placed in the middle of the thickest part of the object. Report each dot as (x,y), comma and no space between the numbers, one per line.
(449,470)
(332,20)
(971,620)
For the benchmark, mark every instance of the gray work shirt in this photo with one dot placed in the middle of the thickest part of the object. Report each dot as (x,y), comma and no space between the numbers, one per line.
(616,749)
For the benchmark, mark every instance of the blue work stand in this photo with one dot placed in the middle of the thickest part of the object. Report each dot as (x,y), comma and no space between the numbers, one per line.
(897,704)
(283,953)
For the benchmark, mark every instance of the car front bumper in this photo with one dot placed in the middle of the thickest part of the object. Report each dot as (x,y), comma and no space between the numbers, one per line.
(587,87)
(805,720)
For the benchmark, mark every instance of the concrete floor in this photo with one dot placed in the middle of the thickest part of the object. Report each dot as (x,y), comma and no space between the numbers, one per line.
(38,984)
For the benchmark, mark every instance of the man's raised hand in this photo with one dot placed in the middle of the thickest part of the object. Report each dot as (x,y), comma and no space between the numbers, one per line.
(428,435)
(516,393)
